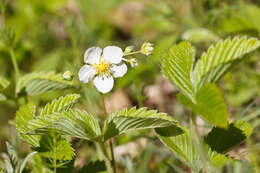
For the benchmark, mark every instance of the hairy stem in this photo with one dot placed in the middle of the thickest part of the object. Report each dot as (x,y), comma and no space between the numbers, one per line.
(104,105)
(15,65)
(103,155)
(111,140)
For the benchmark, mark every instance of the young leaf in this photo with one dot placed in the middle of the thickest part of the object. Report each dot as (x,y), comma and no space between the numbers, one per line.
(220,58)
(25,114)
(210,105)
(136,119)
(40,82)
(223,140)
(75,123)
(60,104)
(177,66)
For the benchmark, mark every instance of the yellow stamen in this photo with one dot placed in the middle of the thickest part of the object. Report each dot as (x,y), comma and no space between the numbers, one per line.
(102,67)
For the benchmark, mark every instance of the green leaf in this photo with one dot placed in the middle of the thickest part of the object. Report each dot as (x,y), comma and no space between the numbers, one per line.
(94,167)
(177,66)
(60,147)
(74,123)
(25,114)
(210,105)
(40,82)
(8,165)
(220,58)
(60,104)
(223,140)
(12,155)
(136,119)
(184,147)
(26,160)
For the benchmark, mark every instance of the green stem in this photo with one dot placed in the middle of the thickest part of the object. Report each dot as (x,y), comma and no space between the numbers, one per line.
(110,141)
(13,58)
(132,53)
(103,155)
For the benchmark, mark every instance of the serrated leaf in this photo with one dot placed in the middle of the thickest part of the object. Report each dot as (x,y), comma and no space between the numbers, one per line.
(219,59)
(40,82)
(25,114)
(210,105)
(223,140)
(177,66)
(12,155)
(23,164)
(183,146)
(136,119)
(8,165)
(60,104)
(75,123)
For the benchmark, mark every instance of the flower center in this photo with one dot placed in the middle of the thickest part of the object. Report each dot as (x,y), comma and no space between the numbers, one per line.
(102,67)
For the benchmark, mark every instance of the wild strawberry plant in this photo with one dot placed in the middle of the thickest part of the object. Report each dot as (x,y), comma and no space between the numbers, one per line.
(49,129)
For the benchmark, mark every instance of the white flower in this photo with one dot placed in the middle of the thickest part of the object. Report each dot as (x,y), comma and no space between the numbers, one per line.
(147,48)
(103,67)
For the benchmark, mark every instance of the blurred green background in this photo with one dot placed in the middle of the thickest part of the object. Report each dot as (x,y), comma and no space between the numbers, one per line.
(52,35)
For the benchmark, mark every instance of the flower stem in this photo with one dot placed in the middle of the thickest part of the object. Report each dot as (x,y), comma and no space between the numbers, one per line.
(13,58)
(132,53)
(104,105)
(110,141)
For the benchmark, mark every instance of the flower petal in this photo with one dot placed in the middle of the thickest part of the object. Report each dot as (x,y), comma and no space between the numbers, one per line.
(86,73)
(104,84)
(92,55)
(119,70)
(113,54)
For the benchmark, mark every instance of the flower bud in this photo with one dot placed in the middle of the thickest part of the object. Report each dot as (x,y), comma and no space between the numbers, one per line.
(68,75)
(128,49)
